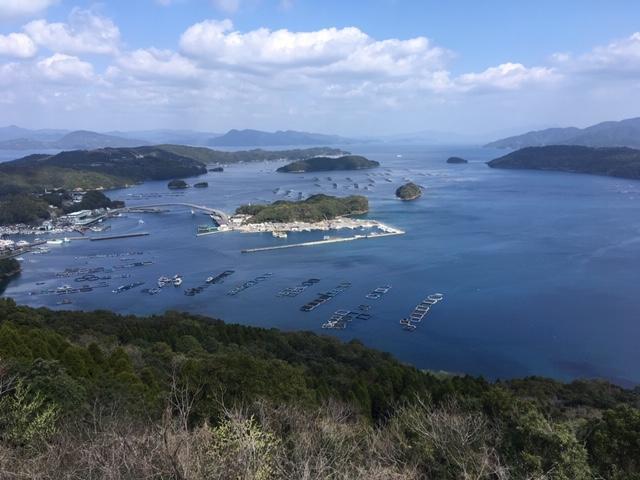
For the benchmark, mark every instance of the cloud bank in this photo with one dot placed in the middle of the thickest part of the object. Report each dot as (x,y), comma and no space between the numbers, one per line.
(332,78)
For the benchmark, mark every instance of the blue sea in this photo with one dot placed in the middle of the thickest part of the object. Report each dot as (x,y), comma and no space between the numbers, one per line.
(539,269)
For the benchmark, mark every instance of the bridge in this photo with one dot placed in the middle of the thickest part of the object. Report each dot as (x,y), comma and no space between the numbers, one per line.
(219,216)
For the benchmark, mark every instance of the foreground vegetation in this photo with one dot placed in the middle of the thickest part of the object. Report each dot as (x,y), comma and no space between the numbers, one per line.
(98,395)
(613,162)
(314,209)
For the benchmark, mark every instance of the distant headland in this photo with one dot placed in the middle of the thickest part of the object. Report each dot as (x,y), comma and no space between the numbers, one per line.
(613,162)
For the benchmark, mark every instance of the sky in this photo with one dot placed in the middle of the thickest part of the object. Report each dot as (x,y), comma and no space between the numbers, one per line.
(357,67)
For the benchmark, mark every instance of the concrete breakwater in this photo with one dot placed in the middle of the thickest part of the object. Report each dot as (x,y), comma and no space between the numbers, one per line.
(327,240)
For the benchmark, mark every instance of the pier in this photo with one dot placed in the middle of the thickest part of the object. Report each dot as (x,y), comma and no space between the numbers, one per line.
(115,237)
(322,242)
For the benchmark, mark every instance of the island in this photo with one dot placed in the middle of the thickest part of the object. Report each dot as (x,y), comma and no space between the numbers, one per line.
(201,185)
(316,208)
(456,160)
(409,191)
(326,164)
(216,169)
(620,162)
(9,267)
(177,184)
(219,157)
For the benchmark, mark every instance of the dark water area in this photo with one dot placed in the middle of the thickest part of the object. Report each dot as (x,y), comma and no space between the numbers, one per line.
(539,269)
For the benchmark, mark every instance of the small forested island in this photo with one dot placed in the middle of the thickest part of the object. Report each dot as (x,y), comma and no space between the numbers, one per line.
(326,164)
(409,191)
(611,161)
(157,397)
(316,208)
(177,184)
(8,268)
(456,160)
(201,185)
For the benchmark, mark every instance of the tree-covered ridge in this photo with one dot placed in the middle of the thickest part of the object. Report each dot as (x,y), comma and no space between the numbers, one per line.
(314,209)
(614,162)
(22,208)
(208,155)
(327,164)
(123,165)
(8,267)
(409,191)
(183,396)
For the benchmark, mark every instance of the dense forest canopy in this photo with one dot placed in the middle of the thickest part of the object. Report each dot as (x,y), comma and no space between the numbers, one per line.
(409,191)
(314,209)
(190,397)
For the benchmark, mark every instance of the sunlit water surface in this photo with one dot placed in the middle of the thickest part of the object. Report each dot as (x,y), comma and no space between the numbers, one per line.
(539,270)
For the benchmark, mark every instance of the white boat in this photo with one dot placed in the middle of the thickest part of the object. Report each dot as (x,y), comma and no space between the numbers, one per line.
(177,280)
(54,241)
(279,234)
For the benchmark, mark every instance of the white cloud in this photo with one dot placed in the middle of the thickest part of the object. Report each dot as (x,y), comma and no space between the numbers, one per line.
(320,52)
(17,45)
(228,6)
(85,32)
(507,76)
(65,68)
(153,63)
(23,8)
(616,57)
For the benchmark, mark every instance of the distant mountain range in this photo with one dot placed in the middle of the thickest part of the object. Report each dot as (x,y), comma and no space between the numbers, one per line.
(258,138)
(625,133)
(61,140)
(17,138)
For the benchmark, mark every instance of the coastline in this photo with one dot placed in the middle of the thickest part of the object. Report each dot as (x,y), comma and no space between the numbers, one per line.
(338,223)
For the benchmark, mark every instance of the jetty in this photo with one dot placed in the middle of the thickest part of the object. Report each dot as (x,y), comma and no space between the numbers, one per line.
(115,237)
(324,241)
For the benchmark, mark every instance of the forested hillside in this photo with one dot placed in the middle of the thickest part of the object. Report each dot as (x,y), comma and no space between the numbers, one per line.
(98,395)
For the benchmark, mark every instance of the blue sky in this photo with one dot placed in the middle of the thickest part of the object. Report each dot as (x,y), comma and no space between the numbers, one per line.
(350,67)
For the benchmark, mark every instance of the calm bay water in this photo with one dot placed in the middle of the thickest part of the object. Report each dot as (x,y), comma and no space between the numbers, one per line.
(539,269)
